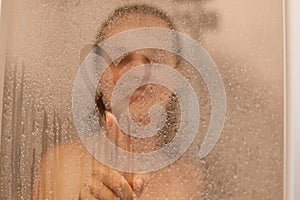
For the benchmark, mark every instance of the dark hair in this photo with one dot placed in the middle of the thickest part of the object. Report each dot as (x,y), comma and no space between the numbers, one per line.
(134,9)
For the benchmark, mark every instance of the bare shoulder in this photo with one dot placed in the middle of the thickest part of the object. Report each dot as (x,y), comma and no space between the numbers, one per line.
(64,157)
(65,151)
(63,170)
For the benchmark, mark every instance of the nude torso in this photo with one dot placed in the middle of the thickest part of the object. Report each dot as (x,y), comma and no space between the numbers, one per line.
(66,167)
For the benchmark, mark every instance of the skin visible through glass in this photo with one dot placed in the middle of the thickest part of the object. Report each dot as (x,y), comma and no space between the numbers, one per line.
(80,175)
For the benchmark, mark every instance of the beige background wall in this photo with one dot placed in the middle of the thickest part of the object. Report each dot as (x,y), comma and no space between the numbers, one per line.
(293,99)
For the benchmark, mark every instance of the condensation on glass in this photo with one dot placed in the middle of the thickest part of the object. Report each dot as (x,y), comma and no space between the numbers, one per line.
(45,40)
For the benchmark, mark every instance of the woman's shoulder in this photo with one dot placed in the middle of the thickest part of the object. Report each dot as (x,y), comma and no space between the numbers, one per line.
(66,156)
(63,150)
(63,170)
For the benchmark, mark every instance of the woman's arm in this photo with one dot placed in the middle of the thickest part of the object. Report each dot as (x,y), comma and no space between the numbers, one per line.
(68,171)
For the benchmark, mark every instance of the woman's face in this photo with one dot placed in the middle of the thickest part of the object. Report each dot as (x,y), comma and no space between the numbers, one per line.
(147,95)
(127,63)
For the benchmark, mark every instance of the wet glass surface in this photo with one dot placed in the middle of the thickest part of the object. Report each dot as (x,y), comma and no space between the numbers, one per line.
(47,41)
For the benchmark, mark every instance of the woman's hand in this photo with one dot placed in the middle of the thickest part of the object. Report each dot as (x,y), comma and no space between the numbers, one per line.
(108,184)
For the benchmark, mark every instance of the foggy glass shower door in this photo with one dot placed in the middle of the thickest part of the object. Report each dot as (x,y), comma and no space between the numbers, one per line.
(46,43)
